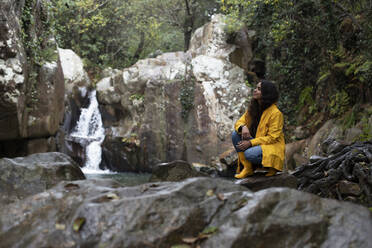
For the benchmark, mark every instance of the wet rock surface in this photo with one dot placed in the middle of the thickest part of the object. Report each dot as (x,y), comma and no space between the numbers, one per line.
(199,211)
(258,181)
(24,176)
(342,176)
(174,171)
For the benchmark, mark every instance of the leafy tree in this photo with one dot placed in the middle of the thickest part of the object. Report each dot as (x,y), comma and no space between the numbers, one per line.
(117,33)
(322,45)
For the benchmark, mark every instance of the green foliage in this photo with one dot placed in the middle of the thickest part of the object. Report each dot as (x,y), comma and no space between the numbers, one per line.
(339,103)
(187,96)
(306,97)
(136,97)
(117,33)
(210,230)
(366,130)
(323,45)
(36,33)
(350,119)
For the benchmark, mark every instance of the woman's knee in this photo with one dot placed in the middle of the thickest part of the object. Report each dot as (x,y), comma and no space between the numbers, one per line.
(235,137)
(253,154)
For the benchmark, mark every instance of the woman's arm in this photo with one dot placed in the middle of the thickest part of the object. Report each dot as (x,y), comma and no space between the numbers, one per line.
(275,130)
(241,122)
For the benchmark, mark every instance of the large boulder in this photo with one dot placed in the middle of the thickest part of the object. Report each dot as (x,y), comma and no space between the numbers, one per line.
(73,71)
(259,181)
(25,176)
(177,105)
(31,79)
(174,171)
(198,211)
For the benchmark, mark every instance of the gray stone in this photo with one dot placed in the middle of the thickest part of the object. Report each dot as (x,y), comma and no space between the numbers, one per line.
(332,146)
(349,188)
(100,213)
(73,70)
(229,157)
(293,150)
(33,109)
(174,171)
(24,176)
(299,159)
(301,132)
(259,181)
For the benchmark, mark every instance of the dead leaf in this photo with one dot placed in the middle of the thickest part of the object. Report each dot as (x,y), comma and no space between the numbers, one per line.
(221,197)
(78,224)
(210,192)
(144,188)
(190,240)
(203,236)
(72,186)
(112,196)
(60,226)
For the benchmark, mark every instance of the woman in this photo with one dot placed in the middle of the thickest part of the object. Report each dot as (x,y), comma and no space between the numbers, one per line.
(258,137)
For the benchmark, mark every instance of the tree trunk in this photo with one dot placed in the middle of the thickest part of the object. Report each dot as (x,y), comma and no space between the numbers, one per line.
(188,25)
(139,50)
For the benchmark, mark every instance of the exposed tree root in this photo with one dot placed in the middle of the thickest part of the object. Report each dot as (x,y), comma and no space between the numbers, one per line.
(353,164)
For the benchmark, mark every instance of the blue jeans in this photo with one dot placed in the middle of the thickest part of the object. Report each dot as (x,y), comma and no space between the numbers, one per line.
(252,154)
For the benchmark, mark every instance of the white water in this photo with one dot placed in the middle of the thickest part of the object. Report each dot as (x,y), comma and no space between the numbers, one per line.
(90,127)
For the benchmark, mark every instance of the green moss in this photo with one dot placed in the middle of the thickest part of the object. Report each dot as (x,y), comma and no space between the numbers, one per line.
(136,97)
(36,32)
(366,130)
(187,97)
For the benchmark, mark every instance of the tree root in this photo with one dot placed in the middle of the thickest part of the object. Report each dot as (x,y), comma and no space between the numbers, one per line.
(353,163)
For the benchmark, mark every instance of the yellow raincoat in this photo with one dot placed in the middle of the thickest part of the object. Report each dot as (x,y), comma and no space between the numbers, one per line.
(269,136)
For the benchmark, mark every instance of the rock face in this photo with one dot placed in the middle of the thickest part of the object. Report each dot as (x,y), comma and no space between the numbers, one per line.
(259,181)
(199,211)
(332,137)
(73,71)
(25,176)
(31,79)
(174,171)
(177,105)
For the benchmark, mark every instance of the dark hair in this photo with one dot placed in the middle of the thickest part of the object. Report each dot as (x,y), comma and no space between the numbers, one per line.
(270,95)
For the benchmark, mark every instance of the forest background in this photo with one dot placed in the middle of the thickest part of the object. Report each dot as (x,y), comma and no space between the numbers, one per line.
(319,52)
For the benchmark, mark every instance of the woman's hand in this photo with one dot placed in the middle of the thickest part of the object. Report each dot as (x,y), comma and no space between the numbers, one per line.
(244,145)
(245,133)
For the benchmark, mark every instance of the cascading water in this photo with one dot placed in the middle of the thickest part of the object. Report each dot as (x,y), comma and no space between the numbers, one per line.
(90,130)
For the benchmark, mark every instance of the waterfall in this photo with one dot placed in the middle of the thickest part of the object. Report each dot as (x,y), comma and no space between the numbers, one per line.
(89,130)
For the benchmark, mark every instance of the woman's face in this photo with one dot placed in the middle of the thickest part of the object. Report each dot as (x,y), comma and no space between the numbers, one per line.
(257,92)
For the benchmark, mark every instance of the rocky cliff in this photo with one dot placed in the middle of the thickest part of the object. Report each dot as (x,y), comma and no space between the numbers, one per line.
(31,79)
(178,105)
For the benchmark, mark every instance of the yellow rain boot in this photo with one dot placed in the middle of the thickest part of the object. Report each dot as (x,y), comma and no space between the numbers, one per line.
(238,167)
(272,172)
(247,170)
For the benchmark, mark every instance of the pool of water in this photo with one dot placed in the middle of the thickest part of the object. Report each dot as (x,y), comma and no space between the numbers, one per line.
(125,178)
